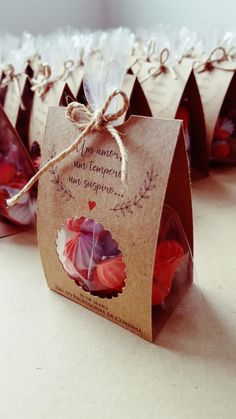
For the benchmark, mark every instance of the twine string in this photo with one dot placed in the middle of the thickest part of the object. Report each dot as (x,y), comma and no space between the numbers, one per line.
(136,60)
(231,53)
(69,66)
(213,61)
(87,122)
(188,54)
(151,50)
(162,68)
(41,84)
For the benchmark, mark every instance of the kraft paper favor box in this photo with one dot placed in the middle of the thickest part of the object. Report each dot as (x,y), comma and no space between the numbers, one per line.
(57,94)
(23,118)
(171,90)
(137,99)
(18,102)
(74,79)
(217,84)
(85,191)
(13,99)
(15,170)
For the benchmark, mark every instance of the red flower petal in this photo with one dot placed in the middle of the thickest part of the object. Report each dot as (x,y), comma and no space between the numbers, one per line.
(168,257)
(220,149)
(6,173)
(111,274)
(71,248)
(73,224)
(222,134)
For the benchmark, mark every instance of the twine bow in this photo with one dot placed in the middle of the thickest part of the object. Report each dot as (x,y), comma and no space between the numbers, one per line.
(87,122)
(41,85)
(187,54)
(10,76)
(216,57)
(151,48)
(162,68)
(69,66)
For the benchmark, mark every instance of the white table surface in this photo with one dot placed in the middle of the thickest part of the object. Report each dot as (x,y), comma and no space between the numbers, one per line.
(61,361)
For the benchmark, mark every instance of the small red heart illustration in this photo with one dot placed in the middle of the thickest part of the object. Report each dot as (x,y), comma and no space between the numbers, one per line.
(92,205)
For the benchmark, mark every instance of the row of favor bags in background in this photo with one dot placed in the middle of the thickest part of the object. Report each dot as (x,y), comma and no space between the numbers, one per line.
(164,73)
(180,72)
(162,59)
(168,62)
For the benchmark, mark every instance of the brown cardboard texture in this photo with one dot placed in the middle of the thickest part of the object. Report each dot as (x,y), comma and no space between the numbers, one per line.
(166,93)
(66,97)
(56,95)
(13,97)
(87,183)
(23,118)
(138,104)
(75,79)
(215,86)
